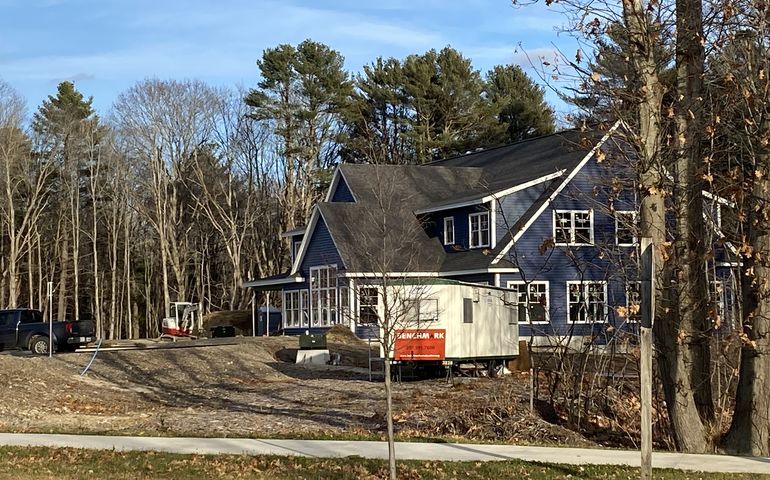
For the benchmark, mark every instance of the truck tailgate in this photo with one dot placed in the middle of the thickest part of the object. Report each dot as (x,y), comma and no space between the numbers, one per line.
(83,328)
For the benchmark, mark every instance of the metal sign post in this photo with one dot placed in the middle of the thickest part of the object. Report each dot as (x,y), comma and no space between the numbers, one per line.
(648,318)
(50,319)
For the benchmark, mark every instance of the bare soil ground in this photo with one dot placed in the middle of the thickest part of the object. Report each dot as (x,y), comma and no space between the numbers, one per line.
(249,387)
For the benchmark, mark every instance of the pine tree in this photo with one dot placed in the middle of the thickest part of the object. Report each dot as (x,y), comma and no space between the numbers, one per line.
(521,109)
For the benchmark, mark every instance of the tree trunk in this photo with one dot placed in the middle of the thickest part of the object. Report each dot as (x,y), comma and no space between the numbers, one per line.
(749,432)
(684,355)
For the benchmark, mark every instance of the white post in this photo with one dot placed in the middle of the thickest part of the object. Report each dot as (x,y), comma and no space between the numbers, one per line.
(648,318)
(267,315)
(50,319)
(253,313)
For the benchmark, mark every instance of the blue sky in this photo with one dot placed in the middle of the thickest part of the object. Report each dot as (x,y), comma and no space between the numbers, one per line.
(105,46)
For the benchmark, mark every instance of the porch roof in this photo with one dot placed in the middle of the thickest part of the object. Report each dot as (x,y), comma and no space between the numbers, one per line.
(274,282)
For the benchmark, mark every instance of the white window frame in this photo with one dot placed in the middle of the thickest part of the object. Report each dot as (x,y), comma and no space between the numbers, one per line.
(449,240)
(292,309)
(584,284)
(295,249)
(633,215)
(372,292)
(572,237)
(633,317)
(329,293)
(536,283)
(304,302)
(479,215)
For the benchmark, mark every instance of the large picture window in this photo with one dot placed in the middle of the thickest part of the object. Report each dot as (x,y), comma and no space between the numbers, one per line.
(573,227)
(479,229)
(538,299)
(586,302)
(323,296)
(292,308)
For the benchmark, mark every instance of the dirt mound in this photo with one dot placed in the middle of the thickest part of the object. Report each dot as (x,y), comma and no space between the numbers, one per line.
(342,334)
(240,319)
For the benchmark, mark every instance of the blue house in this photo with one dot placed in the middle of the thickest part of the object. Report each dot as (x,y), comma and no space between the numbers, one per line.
(549,219)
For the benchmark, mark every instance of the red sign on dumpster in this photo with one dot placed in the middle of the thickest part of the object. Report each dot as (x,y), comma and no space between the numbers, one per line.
(420,344)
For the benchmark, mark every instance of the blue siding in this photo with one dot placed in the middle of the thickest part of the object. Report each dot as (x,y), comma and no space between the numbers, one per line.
(511,207)
(321,250)
(462,225)
(342,193)
(539,260)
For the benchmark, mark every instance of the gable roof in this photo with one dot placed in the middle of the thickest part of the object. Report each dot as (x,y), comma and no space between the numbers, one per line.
(525,161)
(384,217)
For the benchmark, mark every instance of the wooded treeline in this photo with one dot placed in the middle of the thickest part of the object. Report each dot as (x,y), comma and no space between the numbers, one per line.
(180,191)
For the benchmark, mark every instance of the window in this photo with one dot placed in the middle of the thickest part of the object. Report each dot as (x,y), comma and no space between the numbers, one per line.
(368,300)
(427,310)
(295,252)
(625,229)
(586,302)
(573,227)
(633,301)
(344,305)
(7,319)
(304,308)
(291,308)
(479,229)
(323,295)
(467,310)
(449,231)
(31,316)
(538,300)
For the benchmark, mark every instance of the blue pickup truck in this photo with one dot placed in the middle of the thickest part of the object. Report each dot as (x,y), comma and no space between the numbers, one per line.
(26,329)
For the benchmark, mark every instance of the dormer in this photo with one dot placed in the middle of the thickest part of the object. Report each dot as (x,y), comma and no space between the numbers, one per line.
(295,237)
(339,190)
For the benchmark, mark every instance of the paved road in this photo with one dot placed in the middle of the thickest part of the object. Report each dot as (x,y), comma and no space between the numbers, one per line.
(404,450)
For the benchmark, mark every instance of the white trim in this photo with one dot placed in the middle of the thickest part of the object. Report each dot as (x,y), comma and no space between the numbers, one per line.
(728,264)
(470,229)
(573,243)
(294,232)
(558,190)
(492,224)
(309,234)
(278,281)
(547,299)
(493,196)
(497,279)
(427,274)
(318,289)
(617,240)
(306,239)
(718,199)
(333,186)
(587,282)
(446,241)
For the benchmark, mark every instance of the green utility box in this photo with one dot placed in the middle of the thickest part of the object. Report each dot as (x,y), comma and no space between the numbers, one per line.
(312,341)
(222,331)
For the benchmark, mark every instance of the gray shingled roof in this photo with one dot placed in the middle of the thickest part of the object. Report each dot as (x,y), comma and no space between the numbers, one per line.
(527,160)
(383,219)
(376,239)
